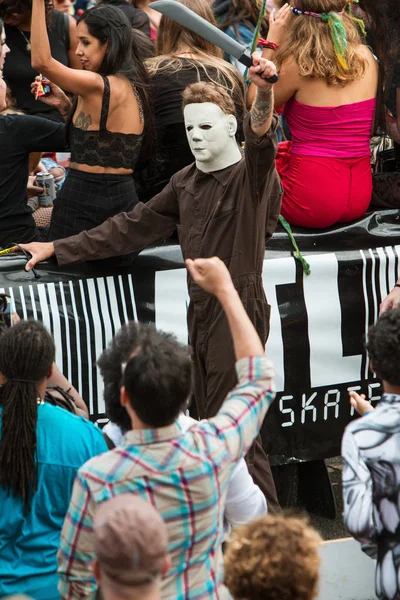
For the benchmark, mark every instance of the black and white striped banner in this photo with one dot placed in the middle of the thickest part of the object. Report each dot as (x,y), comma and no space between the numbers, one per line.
(318,326)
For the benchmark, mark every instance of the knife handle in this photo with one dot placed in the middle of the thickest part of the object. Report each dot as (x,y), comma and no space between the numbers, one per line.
(246,60)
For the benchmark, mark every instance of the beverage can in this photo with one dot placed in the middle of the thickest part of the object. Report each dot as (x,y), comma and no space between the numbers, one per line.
(46,181)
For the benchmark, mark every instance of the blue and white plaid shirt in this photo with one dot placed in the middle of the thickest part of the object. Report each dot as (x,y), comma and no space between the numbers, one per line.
(184,475)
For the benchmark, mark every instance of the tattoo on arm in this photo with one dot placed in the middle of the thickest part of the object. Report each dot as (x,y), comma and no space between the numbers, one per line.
(83,121)
(262,108)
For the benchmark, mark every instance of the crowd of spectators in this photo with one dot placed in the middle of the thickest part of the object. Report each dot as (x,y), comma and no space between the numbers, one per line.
(142,509)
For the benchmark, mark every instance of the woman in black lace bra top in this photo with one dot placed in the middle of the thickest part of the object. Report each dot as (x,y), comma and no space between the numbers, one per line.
(108,125)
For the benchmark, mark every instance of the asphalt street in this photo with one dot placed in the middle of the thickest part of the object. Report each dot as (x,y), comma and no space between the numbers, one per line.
(332,529)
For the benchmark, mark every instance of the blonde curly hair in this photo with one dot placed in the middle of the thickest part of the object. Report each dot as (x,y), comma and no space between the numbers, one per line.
(308,40)
(273,558)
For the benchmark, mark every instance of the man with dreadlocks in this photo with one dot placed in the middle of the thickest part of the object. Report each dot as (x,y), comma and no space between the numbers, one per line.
(41,449)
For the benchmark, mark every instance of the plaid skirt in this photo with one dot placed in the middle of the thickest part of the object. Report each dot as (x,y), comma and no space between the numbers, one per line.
(88,199)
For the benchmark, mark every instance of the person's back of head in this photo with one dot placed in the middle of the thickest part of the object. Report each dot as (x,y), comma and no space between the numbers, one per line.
(155,370)
(383,347)
(273,558)
(131,546)
(26,357)
(324,40)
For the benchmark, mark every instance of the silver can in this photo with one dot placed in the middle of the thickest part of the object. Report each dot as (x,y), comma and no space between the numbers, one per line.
(46,181)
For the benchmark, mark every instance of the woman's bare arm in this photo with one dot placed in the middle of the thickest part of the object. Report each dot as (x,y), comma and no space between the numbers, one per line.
(57,378)
(73,80)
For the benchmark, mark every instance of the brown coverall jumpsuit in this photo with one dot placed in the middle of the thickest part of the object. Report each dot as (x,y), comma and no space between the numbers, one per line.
(229,214)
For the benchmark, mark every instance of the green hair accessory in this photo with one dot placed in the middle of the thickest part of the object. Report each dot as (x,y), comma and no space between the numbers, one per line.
(339,37)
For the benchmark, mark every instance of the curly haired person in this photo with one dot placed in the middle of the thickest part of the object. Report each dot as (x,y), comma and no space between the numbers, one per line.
(327,86)
(273,558)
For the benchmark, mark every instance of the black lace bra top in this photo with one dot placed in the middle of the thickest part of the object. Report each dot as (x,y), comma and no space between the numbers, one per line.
(103,148)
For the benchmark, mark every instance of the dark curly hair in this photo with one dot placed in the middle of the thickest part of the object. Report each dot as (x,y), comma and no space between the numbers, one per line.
(384,346)
(155,370)
(23,7)
(273,558)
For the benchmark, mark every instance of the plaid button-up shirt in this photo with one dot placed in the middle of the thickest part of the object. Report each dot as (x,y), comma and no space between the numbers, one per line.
(184,475)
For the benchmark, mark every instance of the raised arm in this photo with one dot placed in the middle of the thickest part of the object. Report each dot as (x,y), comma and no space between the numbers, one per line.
(73,80)
(289,78)
(263,105)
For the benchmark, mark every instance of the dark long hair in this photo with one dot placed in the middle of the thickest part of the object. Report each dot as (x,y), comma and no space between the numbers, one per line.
(384,23)
(384,28)
(110,25)
(8,7)
(26,355)
(239,11)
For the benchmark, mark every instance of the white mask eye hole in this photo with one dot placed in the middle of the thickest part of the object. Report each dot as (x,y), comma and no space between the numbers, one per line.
(189,128)
(205,127)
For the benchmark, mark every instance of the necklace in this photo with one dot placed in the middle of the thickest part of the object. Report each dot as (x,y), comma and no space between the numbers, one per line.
(28,43)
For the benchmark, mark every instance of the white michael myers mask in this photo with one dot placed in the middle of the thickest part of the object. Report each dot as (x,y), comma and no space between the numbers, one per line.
(211,136)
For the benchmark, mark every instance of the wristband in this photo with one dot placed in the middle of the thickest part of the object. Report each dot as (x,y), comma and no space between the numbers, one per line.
(396,285)
(267,44)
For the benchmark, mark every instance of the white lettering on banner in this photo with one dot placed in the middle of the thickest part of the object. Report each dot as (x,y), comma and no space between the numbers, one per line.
(327,363)
(371,388)
(171,301)
(307,405)
(323,405)
(328,403)
(286,411)
(279,271)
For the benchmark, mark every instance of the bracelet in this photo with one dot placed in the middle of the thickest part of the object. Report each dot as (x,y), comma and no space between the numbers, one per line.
(396,285)
(267,44)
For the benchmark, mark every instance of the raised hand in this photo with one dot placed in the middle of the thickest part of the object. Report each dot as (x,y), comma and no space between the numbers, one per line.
(55,98)
(278,22)
(210,274)
(392,300)
(261,70)
(359,403)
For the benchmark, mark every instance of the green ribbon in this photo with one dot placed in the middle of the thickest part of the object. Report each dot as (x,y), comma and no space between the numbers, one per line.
(297,253)
(256,33)
(339,37)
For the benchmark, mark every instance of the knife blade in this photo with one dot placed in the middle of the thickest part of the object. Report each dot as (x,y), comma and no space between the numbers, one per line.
(189,19)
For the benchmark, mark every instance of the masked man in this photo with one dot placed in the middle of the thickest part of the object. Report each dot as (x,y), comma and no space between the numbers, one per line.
(225,205)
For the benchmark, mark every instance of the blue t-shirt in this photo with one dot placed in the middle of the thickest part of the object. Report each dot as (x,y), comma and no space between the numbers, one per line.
(29,545)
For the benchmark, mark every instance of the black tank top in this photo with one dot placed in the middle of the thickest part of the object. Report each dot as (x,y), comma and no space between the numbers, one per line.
(18,72)
(103,148)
